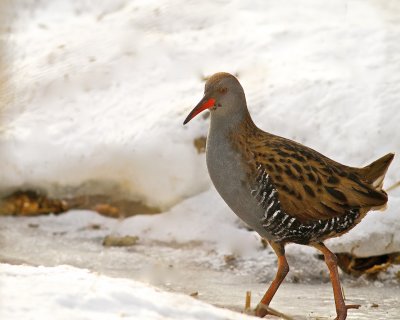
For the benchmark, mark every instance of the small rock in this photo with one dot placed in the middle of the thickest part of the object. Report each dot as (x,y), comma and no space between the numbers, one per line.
(115,241)
(295,279)
(94,226)
(264,243)
(229,258)
(200,144)
(106,210)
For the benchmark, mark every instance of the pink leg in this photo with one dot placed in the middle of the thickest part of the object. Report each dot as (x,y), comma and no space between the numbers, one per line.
(283,269)
(331,262)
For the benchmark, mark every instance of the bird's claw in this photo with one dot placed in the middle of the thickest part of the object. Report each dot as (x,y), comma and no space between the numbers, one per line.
(342,314)
(261,311)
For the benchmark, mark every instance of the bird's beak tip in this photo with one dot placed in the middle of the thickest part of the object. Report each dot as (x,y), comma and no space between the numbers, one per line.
(205,103)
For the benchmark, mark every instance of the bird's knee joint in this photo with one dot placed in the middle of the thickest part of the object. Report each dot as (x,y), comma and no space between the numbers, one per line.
(284,268)
(331,260)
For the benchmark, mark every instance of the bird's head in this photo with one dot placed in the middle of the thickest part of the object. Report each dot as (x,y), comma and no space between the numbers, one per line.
(223,94)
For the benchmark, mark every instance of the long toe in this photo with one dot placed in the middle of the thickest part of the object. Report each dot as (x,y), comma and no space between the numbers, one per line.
(262,310)
(342,314)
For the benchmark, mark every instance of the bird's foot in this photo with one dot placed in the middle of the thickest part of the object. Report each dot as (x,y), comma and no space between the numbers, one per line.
(342,313)
(262,310)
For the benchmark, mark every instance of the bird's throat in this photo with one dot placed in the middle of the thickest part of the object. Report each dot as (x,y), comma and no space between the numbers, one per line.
(224,123)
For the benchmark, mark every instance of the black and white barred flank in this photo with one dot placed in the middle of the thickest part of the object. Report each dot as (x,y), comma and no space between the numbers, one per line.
(285,228)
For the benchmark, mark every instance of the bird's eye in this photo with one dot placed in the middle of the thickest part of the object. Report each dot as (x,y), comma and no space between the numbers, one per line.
(223,90)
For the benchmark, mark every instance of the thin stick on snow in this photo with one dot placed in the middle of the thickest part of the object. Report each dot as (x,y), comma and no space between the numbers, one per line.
(247,305)
(393,186)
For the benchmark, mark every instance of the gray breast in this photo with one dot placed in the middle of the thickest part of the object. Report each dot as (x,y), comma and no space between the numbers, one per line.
(226,170)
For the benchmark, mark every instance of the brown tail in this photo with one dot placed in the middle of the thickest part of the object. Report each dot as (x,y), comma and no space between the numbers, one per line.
(375,172)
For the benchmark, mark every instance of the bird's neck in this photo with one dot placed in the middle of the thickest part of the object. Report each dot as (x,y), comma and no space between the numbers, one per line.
(223,124)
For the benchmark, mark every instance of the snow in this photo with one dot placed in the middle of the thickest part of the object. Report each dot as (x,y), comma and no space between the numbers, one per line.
(38,284)
(100,104)
(40,247)
(99,92)
(190,221)
(66,292)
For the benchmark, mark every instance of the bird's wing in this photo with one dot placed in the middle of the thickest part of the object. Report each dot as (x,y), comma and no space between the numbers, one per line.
(310,186)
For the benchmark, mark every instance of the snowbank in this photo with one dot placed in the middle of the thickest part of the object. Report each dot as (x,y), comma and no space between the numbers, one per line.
(69,293)
(212,224)
(101,91)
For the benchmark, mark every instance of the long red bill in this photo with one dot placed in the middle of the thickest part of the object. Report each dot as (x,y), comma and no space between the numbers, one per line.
(205,103)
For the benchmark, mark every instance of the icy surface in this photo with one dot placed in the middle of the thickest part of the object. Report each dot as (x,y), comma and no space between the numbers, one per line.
(42,289)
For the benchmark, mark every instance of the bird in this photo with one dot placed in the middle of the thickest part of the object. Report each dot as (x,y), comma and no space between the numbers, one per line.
(285,191)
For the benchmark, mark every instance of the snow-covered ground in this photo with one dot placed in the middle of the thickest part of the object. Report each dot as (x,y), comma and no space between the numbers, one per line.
(98,91)
(87,295)
(65,292)
(32,250)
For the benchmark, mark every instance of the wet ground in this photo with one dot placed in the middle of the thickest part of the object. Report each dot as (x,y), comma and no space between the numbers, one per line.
(193,269)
